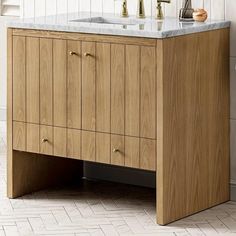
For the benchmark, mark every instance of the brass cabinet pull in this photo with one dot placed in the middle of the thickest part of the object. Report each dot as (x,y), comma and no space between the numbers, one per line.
(72,53)
(44,140)
(115,150)
(87,54)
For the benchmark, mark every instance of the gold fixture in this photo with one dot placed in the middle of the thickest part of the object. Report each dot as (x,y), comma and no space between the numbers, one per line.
(44,140)
(115,150)
(124,9)
(87,54)
(160,15)
(141,10)
(72,53)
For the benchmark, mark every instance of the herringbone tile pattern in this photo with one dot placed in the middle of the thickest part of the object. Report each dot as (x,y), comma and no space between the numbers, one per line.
(97,208)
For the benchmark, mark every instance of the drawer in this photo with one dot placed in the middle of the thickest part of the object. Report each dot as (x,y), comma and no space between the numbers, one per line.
(46,140)
(133,152)
(53,141)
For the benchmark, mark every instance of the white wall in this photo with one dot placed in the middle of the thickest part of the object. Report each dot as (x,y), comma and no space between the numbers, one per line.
(217,9)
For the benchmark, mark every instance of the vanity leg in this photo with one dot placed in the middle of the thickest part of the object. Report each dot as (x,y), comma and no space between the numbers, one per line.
(28,172)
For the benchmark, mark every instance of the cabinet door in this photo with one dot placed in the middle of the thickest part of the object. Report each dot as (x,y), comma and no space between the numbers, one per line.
(132,90)
(74,84)
(46,82)
(32,80)
(88,86)
(148,93)
(19,83)
(59,82)
(117,88)
(103,99)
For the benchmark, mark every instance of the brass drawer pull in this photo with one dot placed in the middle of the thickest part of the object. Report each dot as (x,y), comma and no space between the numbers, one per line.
(87,54)
(72,53)
(44,140)
(116,150)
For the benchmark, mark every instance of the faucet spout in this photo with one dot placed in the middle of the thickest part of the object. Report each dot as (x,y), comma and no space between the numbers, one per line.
(141,10)
(160,14)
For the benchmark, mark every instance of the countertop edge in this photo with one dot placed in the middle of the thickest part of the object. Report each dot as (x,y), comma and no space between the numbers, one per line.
(120,32)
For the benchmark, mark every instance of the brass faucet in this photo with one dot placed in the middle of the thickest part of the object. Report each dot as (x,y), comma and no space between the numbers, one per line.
(160,15)
(124,9)
(141,10)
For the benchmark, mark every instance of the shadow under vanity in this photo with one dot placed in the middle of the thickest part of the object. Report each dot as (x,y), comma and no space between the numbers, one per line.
(144,99)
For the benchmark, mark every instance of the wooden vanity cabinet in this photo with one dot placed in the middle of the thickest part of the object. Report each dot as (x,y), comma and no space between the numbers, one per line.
(158,105)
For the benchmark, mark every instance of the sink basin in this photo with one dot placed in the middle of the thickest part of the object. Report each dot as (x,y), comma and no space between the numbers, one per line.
(103,20)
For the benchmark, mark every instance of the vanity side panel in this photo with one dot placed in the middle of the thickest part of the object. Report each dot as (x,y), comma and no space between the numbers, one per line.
(193,162)
(9,113)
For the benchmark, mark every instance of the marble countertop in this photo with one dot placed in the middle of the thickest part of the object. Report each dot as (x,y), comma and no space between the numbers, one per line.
(148,28)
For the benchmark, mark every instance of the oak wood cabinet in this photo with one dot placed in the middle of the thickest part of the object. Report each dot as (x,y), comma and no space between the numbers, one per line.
(158,105)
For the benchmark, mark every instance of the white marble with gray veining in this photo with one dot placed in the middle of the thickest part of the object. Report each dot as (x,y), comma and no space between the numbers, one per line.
(148,28)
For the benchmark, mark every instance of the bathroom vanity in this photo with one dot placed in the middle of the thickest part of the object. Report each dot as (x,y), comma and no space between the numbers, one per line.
(138,94)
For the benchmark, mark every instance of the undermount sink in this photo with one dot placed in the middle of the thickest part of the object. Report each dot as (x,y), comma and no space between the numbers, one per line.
(102,20)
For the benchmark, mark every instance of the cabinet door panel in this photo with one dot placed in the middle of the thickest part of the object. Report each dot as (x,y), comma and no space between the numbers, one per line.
(59,141)
(46,98)
(59,82)
(103,102)
(32,79)
(148,93)
(148,154)
(19,84)
(46,140)
(132,90)
(117,150)
(117,88)
(19,136)
(88,146)
(74,143)
(74,85)
(88,86)
(103,148)
(32,144)
(132,152)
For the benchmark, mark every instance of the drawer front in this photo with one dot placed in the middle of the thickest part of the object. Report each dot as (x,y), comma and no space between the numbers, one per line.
(46,140)
(97,147)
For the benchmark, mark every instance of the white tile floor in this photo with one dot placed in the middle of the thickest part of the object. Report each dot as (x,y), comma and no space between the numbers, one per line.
(96,208)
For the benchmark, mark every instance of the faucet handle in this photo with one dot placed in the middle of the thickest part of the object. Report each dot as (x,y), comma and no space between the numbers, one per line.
(160,15)
(141,10)
(124,9)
